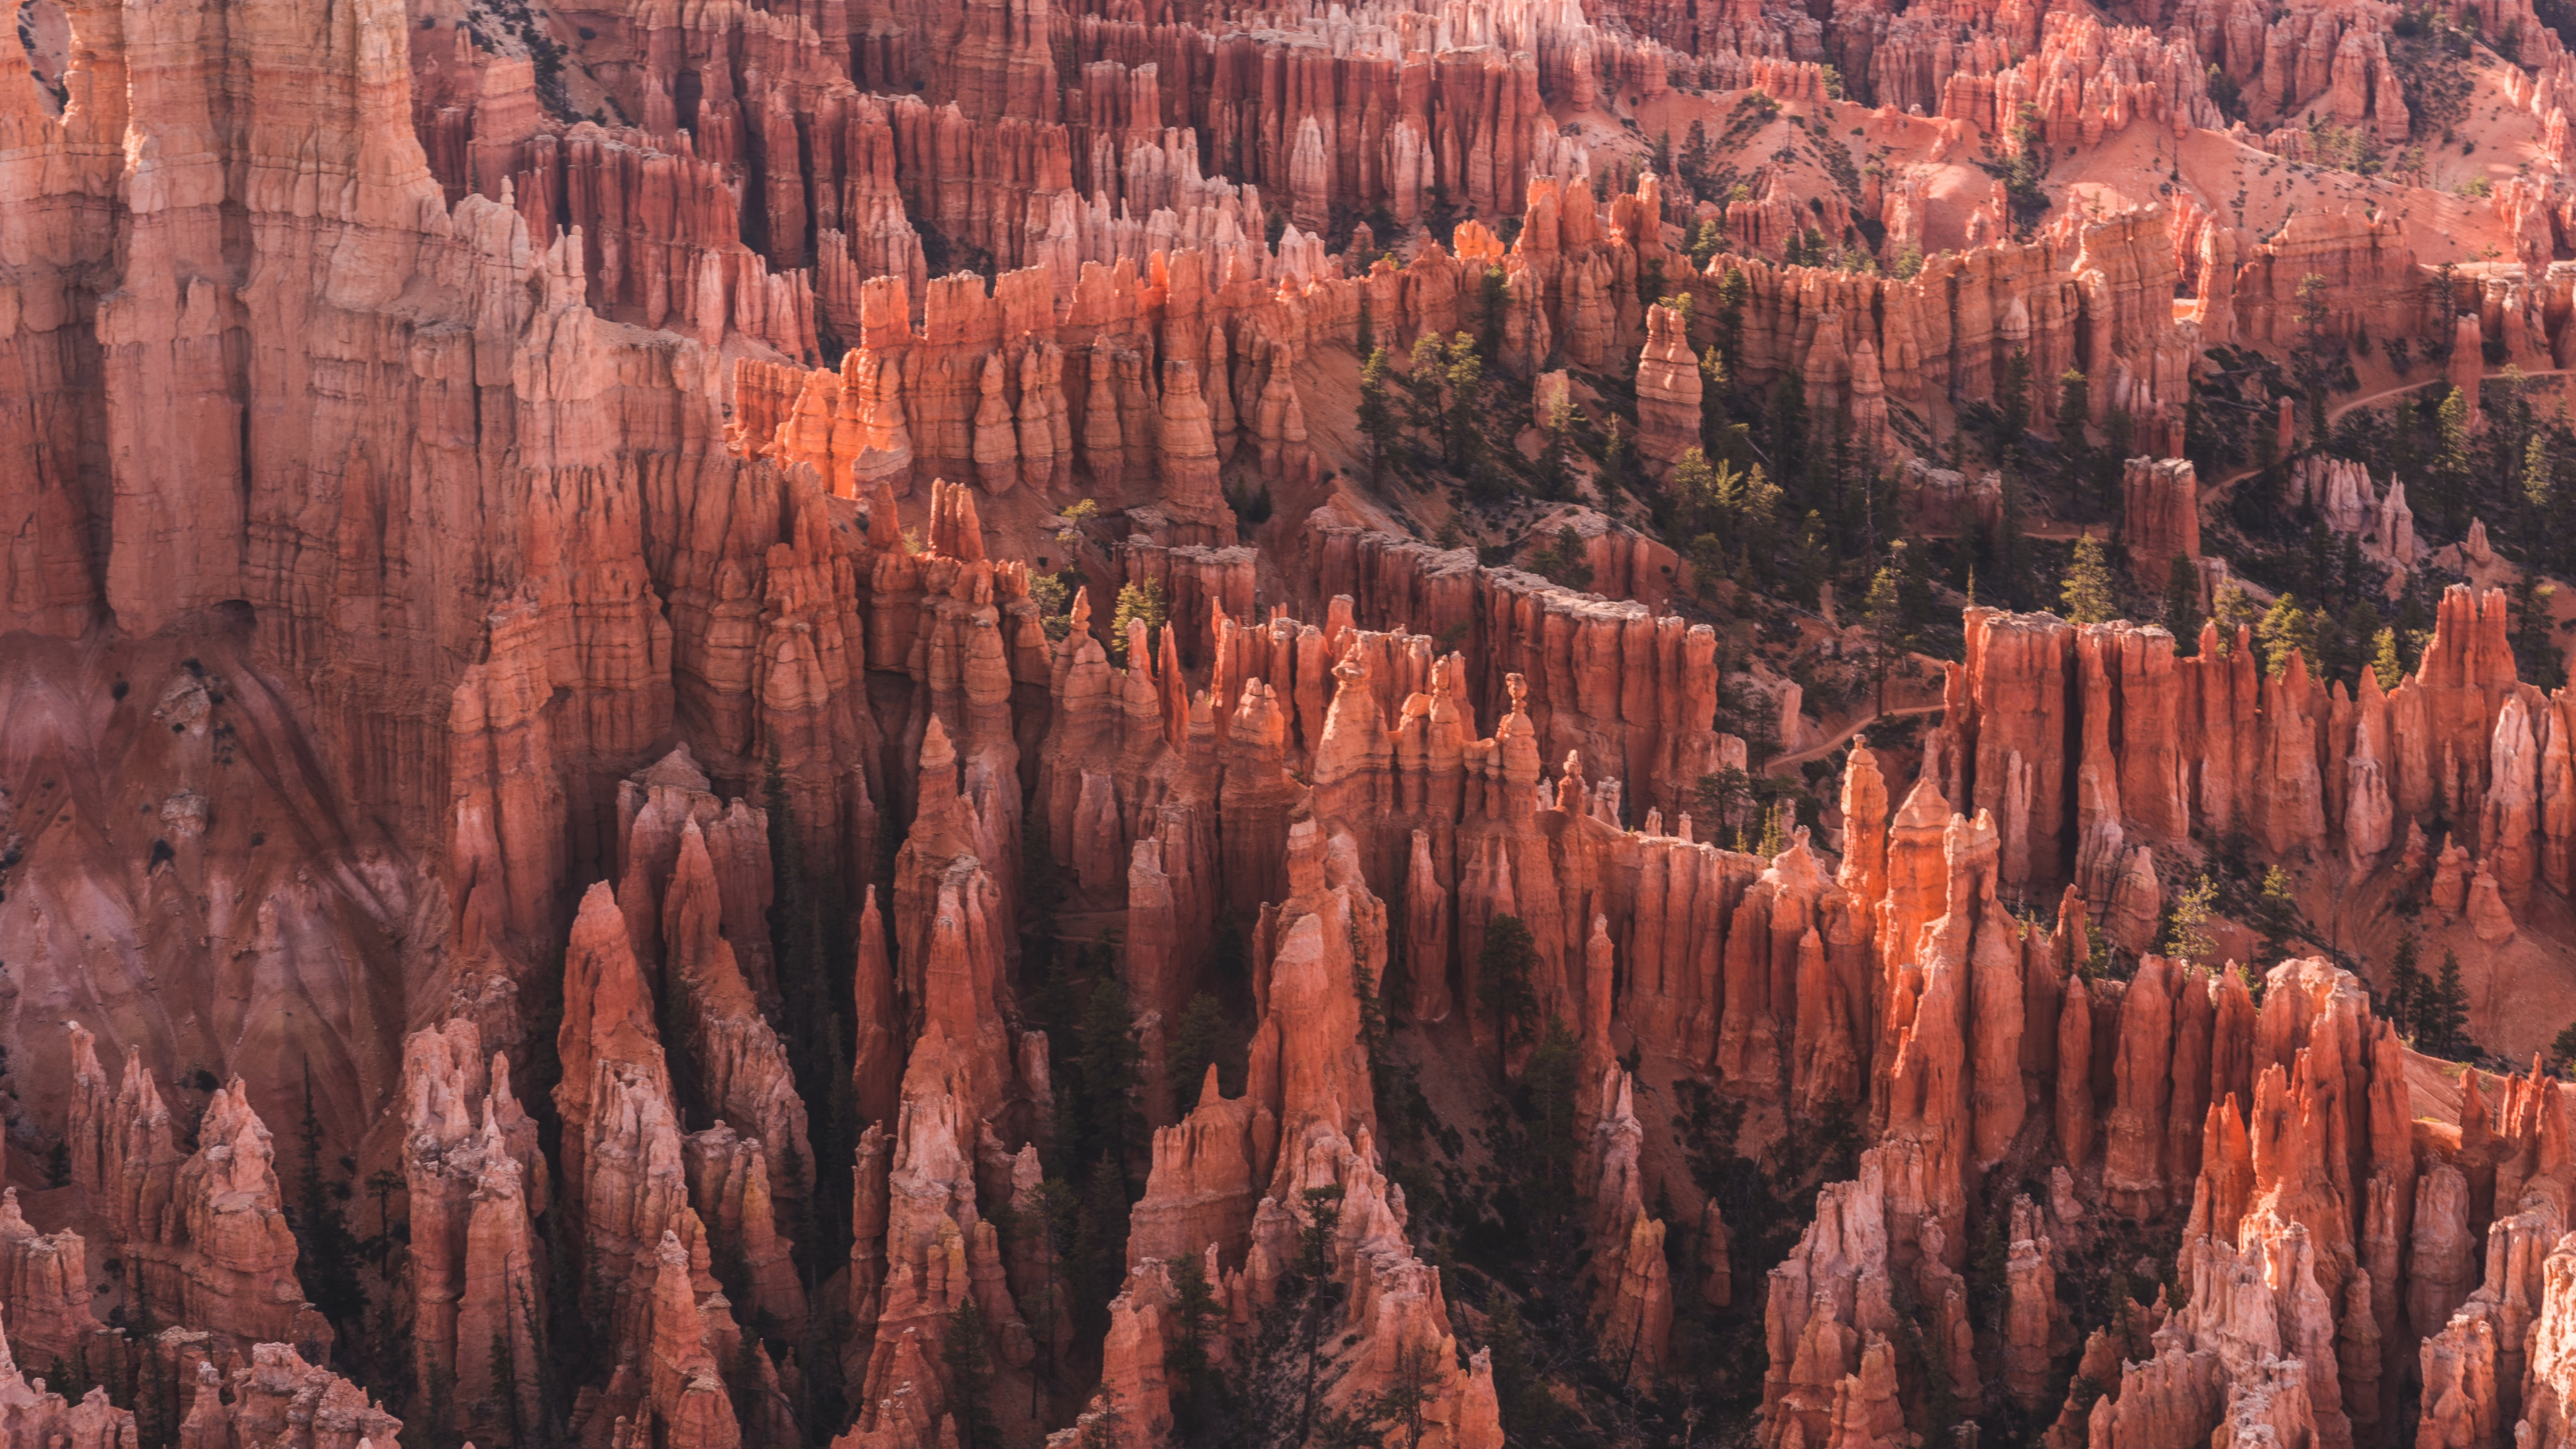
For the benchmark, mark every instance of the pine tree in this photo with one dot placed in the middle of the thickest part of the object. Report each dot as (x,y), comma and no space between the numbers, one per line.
(1422,386)
(2090,595)
(1108,1123)
(2012,545)
(2384,661)
(1732,290)
(1555,458)
(2447,1028)
(2407,989)
(1367,340)
(1775,839)
(1564,561)
(2287,629)
(1315,1240)
(1098,1261)
(1883,616)
(2451,463)
(1551,1144)
(1195,1317)
(1613,475)
(1138,602)
(1714,416)
(326,1251)
(1494,305)
(505,1383)
(2562,1051)
(2278,910)
(1696,158)
(2187,924)
(1414,1386)
(1786,421)
(1198,1043)
(2535,640)
(2015,400)
(1379,430)
(2235,611)
(1504,984)
(1465,375)
(1103,1426)
(2182,603)
(2074,409)
(966,1352)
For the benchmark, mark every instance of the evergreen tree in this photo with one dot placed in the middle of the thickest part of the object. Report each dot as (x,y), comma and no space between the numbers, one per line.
(2287,629)
(1774,838)
(2535,637)
(2187,924)
(1613,475)
(1494,305)
(1379,431)
(326,1251)
(505,1378)
(1505,968)
(1198,1043)
(2090,595)
(1098,1262)
(1196,1316)
(2451,461)
(1367,342)
(2121,431)
(2015,401)
(1550,1145)
(1732,290)
(1417,1378)
(1696,158)
(1714,415)
(1423,386)
(2012,547)
(1108,1123)
(1465,375)
(2445,1029)
(1137,603)
(2537,474)
(1103,1427)
(1315,1288)
(2182,603)
(1564,562)
(2562,1051)
(1811,559)
(1786,424)
(2408,990)
(2235,611)
(1883,616)
(2074,404)
(2277,909)
(966,1352)
(2384,662)
(1913,586)
(1555,473)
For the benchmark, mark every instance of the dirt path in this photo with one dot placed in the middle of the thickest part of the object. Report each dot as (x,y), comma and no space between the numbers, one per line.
(1778,763)
(2218,491)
